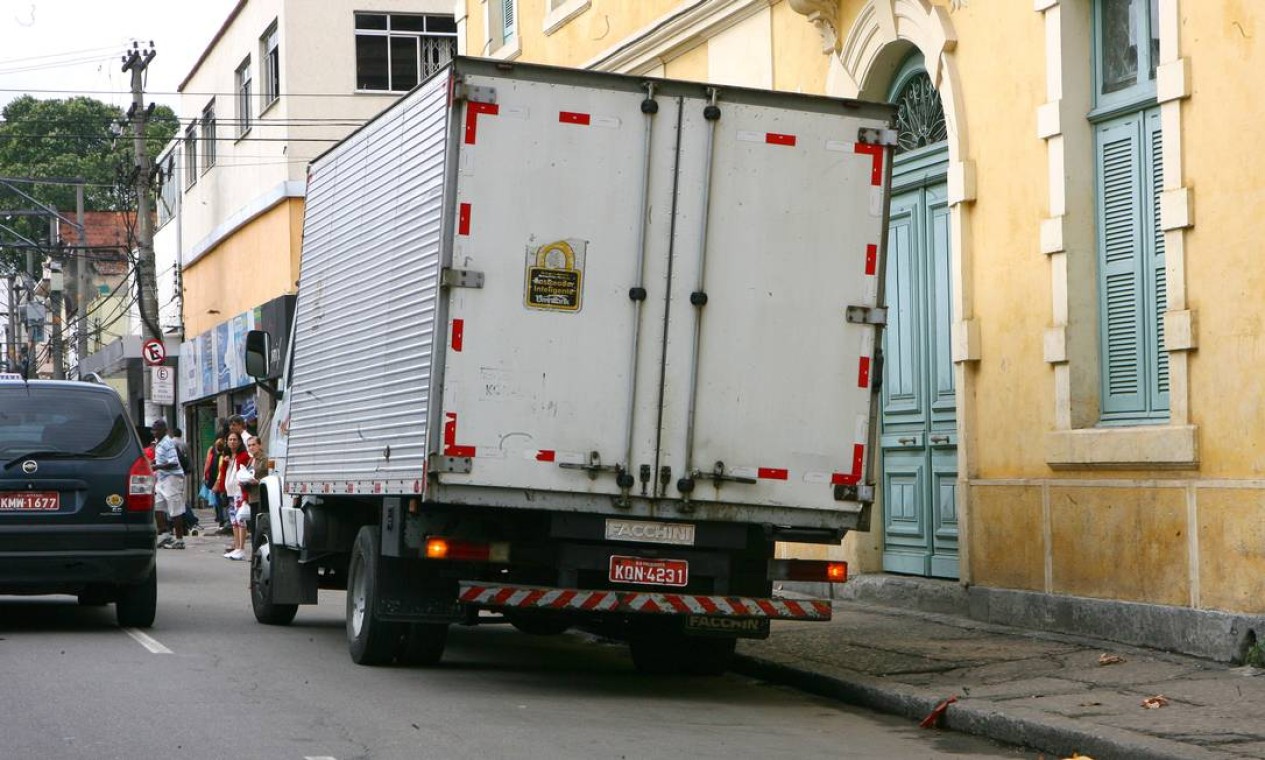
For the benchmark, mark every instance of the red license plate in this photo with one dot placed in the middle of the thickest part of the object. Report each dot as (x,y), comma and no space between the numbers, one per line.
(30,501)
(650,572)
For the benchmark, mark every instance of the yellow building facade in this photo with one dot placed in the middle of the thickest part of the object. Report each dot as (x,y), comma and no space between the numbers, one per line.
(1085,347)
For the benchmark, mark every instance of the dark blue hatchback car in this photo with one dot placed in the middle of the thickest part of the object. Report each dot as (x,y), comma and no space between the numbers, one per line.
(76,498)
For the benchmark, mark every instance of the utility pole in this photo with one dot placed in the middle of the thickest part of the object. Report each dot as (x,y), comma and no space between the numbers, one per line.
(55,285)
(81,281)
(136,61)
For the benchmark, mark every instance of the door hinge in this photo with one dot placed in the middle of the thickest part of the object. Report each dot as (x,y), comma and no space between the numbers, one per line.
(870,136)
(473,93)
(460,465)
(460,278)
(867,315)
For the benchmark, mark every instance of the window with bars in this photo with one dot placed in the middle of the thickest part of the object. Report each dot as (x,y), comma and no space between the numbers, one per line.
(396,51)
(1129,178)
(243,98)
(191,155)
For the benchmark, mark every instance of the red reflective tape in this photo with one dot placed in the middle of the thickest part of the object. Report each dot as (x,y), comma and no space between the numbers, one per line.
(571,117)
(863,375)
(458,334)
(678,603)
(649,605)
(503,596)
(768,607)
(592,601)
(472,118)
(471,594)
(563,599)
(794,607)
(463,219)
(451,449)
(858,459)
(544,455)
(823,609)
(707,604)
(773,138)
(532,597)
(772,473)
(737,605)
(871,259)
(876,164)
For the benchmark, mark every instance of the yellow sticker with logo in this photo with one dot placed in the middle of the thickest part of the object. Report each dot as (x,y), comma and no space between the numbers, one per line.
(114,500)
(555,276)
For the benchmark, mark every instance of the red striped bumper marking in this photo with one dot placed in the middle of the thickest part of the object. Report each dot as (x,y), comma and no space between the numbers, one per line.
(472,118)
(773,138)
(511,596)
(876,154)
(571,117)
(772,473)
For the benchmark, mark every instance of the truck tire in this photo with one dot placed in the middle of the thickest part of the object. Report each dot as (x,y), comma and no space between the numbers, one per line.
(423,644)
(371,641)
(707,656)
(266,611)
(137,604)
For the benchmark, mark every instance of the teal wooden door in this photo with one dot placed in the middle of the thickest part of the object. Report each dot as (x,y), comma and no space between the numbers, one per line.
(919,426)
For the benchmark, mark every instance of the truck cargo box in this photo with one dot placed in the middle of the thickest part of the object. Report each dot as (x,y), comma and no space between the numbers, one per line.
(532,287)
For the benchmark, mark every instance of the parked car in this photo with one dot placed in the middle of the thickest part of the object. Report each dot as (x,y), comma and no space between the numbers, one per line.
(76,498)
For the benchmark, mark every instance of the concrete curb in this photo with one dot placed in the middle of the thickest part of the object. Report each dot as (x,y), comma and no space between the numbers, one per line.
(1013,724)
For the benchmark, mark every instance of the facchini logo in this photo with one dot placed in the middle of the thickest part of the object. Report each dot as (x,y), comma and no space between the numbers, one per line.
(681,534)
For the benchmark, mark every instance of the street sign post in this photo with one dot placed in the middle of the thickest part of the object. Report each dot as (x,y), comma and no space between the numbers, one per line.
(153,352)
(162,385)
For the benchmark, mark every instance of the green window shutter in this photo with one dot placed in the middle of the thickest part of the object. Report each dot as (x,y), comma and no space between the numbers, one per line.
(1132,282)
(1158,282)
(1118,154)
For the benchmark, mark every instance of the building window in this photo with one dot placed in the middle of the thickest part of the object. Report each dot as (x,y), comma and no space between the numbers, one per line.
(1128,173)
(559,12)
(270,59)
(243,98)
(168,195)
(191,155)
(208,136)
(395,51)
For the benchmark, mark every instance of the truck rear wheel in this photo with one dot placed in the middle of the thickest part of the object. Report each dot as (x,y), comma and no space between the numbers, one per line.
(266,611)
(423,644)
(371,641)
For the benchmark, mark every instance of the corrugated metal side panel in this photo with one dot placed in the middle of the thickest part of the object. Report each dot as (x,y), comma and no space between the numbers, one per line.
(368,301)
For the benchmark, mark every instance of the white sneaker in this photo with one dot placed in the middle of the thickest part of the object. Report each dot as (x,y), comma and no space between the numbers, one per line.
(164,540)
(236,555)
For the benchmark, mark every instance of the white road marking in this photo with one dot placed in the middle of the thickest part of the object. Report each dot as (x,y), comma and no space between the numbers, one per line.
(147,641)
(319,757)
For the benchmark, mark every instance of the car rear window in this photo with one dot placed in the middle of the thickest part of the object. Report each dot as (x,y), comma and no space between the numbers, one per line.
(61,419)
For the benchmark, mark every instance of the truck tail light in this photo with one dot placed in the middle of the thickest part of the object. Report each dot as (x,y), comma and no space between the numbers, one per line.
(468,551)
(140,486)
(814,570)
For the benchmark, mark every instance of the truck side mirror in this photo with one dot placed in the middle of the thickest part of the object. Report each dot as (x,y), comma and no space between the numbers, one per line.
(258,350)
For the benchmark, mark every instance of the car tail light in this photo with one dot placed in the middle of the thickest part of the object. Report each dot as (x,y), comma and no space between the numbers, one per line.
(140,486)
(469,551)
(819,570)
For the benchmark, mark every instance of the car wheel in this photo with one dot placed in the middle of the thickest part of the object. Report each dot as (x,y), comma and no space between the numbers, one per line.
(137,604)
(423,644)
(266,611)
(371,641)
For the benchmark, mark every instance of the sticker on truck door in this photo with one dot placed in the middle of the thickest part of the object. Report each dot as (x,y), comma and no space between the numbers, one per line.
(555,276)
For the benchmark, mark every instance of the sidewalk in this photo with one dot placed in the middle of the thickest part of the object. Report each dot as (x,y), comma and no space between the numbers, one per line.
(1054,693)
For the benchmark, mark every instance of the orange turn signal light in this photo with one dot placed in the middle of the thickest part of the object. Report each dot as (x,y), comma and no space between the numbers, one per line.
(811,570)
(438,547)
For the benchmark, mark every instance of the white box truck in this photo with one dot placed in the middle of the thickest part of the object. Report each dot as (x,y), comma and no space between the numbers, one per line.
(578,349)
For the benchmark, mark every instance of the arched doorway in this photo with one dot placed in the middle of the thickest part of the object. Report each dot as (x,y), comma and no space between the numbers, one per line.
(919,433)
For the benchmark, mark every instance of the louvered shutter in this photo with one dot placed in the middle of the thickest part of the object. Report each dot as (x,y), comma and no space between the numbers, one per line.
(507,18)
(1157,281)
(1120,258)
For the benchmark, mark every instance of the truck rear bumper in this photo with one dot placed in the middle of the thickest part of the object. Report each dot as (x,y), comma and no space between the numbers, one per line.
(503,596)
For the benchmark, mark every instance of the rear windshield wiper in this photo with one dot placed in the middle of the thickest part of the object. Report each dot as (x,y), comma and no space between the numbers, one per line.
(51,454)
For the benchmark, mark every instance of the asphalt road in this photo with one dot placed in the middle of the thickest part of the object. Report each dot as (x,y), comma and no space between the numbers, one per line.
(208,682)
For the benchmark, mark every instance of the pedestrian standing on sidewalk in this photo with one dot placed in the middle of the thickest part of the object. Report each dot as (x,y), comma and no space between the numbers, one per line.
(237,464)
(222,503)
(191,526)
(237,424)
(169,488)
(251,487)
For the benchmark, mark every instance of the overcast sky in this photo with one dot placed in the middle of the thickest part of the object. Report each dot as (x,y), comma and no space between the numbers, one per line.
(61,48)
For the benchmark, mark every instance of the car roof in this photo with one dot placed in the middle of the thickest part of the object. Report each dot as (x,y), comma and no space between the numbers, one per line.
(79,385)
